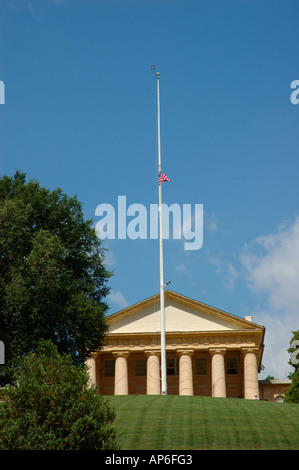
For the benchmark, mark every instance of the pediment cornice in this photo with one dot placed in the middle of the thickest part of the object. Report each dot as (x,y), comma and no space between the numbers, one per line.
(184,301)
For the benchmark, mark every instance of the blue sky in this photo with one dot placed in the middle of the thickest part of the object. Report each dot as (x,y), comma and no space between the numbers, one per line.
(80,114)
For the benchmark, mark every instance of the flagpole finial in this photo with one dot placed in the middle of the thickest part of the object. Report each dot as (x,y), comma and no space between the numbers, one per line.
(153,67)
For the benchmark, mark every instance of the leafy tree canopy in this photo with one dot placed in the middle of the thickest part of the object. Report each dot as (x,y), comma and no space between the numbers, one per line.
(52,407)
(293,350)
(53,281)
(292,394)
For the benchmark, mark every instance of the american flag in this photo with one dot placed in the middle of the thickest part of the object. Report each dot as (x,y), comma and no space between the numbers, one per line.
(163,177)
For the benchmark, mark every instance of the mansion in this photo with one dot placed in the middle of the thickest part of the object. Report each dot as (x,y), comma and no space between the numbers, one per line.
(208,352)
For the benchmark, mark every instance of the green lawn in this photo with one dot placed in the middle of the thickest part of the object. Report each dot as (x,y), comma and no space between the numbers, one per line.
(186,423)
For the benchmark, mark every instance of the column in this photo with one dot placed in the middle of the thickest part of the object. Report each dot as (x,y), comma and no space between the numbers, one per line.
(218,373)
(121,373)
(91,369)
(152,373)
(251,385)
(185,372)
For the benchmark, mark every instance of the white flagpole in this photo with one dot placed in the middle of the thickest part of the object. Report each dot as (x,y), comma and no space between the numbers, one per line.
(162,285)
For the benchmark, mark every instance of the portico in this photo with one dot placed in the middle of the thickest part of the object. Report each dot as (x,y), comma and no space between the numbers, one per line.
(208,352)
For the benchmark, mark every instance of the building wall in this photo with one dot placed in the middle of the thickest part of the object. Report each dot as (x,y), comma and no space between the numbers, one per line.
(105,383)
(209,352)
(234,380)
(137,382)
(273,390)
(201,374)
(202,382)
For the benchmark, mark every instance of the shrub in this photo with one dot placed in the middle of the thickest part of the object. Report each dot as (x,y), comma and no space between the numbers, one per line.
(292,393)
(51,406)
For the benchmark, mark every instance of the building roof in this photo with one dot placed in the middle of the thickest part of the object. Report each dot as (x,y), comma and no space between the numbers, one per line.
(181,314)
(187,322)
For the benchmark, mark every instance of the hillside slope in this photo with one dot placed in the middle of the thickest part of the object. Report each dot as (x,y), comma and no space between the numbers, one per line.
(185,423)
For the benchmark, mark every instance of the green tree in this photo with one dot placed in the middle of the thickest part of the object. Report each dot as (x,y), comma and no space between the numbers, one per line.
(53,281)
(293,350)
(292,394)
(52,407)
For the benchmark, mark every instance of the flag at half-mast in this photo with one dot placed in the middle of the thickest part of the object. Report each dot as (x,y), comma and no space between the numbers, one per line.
(163,178)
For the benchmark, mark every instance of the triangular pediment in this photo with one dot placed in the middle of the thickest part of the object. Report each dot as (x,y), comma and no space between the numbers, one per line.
(182,314)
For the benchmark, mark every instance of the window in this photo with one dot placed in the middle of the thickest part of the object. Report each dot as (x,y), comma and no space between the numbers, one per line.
(140,367)
(172,366)
(200,366)
(232,365)
(109,368)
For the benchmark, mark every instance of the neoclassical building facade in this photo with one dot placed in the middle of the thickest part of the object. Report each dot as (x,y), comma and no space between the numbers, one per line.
(208,352)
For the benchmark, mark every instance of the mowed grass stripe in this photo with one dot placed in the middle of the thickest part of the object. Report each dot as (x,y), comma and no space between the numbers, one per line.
(176,422)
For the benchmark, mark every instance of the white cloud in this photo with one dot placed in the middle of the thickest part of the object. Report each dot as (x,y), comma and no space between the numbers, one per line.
(182,268)
(272,272)
(211,221)
(277,339)
(117,299)
(226,269)
(110,258)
